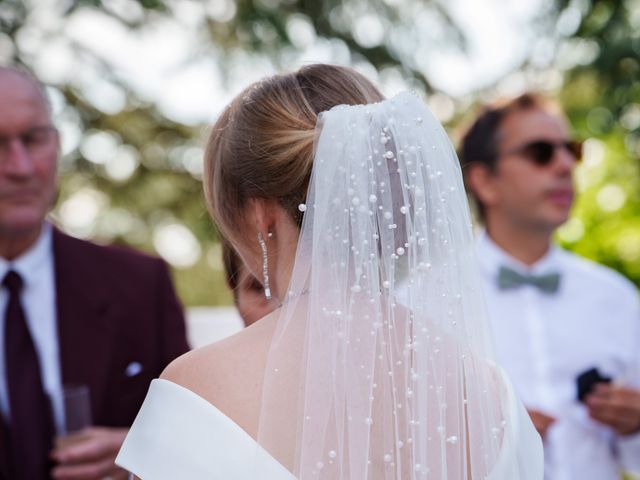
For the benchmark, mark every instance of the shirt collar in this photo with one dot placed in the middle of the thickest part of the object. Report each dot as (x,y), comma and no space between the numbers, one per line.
(30,263)
(492,257)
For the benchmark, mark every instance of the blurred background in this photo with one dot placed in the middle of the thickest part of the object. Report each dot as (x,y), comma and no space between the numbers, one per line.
(135,84)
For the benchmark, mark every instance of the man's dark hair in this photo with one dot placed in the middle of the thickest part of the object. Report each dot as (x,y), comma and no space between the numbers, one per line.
(481,141)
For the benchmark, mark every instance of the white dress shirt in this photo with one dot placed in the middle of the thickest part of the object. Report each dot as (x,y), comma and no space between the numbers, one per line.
(544,341)
(36,267)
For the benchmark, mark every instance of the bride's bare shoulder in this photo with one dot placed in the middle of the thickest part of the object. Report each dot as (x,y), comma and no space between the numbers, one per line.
(227,373)
(219,359)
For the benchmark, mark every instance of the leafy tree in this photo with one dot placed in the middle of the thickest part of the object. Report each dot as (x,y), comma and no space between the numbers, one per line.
(601,94)
(135,171)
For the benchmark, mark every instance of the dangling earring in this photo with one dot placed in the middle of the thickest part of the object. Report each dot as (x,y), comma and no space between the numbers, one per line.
(265,265)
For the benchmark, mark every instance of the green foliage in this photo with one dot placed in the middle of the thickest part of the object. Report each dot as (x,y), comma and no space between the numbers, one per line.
(602,100)
(162,187)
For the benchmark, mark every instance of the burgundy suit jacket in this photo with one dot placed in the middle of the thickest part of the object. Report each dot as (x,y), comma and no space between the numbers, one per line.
(116,309)
(119,324)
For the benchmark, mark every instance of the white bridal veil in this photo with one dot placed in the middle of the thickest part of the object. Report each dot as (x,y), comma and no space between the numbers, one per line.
(381,365)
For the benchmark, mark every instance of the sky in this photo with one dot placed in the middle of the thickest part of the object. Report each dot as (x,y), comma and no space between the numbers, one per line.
(164,62)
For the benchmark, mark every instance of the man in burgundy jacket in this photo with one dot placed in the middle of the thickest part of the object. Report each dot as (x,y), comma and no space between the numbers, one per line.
(71,312)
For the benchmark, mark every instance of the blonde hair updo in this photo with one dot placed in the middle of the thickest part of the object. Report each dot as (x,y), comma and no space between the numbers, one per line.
(261,146)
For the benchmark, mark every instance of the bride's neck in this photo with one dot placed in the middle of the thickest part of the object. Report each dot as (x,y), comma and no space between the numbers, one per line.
(282,253)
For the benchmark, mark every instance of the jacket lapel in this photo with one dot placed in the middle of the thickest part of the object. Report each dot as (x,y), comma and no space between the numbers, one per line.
(85,333)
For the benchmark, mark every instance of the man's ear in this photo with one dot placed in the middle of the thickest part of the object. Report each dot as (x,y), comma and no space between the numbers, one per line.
(482,182)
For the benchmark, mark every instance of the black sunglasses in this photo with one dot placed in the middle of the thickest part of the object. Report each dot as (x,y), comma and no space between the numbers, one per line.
(541,152)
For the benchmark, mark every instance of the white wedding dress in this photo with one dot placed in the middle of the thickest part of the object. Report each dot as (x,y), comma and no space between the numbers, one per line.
(179,435)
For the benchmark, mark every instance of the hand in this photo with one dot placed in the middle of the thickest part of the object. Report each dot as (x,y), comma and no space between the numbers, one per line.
(541,421)
(615,406)
(91,457)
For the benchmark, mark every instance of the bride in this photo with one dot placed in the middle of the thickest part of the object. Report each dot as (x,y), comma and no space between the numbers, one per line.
(377,363)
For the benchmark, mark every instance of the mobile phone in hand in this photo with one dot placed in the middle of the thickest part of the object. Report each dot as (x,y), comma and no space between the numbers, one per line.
(587,381)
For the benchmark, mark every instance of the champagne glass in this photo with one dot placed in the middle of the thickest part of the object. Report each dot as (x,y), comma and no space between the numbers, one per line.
(77,415)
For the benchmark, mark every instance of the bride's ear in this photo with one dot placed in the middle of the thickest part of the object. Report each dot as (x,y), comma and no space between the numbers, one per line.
(263,214)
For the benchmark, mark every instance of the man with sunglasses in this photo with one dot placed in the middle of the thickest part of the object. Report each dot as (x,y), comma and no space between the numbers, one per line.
(71,312)
(566,330)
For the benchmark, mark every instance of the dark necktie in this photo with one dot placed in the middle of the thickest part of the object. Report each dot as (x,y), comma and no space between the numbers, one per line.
(31,420)
(508,279)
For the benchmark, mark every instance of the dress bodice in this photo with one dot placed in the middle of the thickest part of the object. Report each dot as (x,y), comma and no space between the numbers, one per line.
(178,434)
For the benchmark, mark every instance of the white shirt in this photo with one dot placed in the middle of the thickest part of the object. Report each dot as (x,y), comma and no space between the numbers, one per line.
(36,267)
(544,341)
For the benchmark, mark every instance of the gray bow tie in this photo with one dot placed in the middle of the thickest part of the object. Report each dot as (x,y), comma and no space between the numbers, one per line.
(508,279)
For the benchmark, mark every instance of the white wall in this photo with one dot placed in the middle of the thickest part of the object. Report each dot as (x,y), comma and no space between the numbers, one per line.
(210,324)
